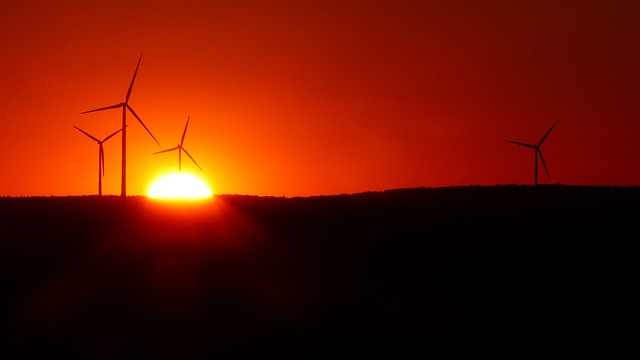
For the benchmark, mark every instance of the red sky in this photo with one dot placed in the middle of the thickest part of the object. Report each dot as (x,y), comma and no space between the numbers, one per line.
(300,98)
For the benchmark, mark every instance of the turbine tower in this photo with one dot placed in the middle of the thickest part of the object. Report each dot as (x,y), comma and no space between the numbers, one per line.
(125,106)
(100,155)
(536,152)
(181,149)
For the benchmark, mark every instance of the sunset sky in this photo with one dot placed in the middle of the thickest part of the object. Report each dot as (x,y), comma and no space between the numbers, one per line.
(300,98)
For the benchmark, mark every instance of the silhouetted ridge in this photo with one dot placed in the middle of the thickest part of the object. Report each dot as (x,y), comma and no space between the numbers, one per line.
(503,271)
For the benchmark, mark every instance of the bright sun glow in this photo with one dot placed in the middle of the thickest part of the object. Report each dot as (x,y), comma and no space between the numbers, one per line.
(179,186)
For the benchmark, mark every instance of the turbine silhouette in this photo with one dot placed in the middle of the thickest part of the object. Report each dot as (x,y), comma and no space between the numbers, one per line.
(537,151)
(125,106)
(100,155)
(180,149)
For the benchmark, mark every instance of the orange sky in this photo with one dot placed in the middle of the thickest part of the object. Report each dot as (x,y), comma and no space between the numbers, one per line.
(300,98)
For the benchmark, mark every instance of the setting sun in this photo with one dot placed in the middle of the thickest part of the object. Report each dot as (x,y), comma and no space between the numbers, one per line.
(179,186)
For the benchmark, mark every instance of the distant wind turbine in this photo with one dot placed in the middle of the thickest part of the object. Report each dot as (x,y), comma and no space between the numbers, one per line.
(100,155)
(181,149)
(125,106)
(537,151)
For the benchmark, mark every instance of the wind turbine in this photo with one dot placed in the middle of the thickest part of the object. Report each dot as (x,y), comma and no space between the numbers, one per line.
(100,155)
(537,151)
(181,149)
(125,106)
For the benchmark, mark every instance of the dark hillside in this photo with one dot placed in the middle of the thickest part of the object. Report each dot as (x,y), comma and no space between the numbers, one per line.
(504,271)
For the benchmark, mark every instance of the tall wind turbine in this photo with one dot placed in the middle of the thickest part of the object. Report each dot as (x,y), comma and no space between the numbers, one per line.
(125,106)
(181,149)
(100,155)
(537,151)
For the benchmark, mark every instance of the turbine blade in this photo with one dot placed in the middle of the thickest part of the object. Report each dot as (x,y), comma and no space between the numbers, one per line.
(141,123)
(192,159)
(543,163)
(167,150)
(86,133)
(185,130)
(522,144)
(102,108)
(102,159)
(547,134)
(126,101)
(110,136)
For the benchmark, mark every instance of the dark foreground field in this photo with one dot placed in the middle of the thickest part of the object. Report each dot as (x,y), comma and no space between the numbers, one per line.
(505,271)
